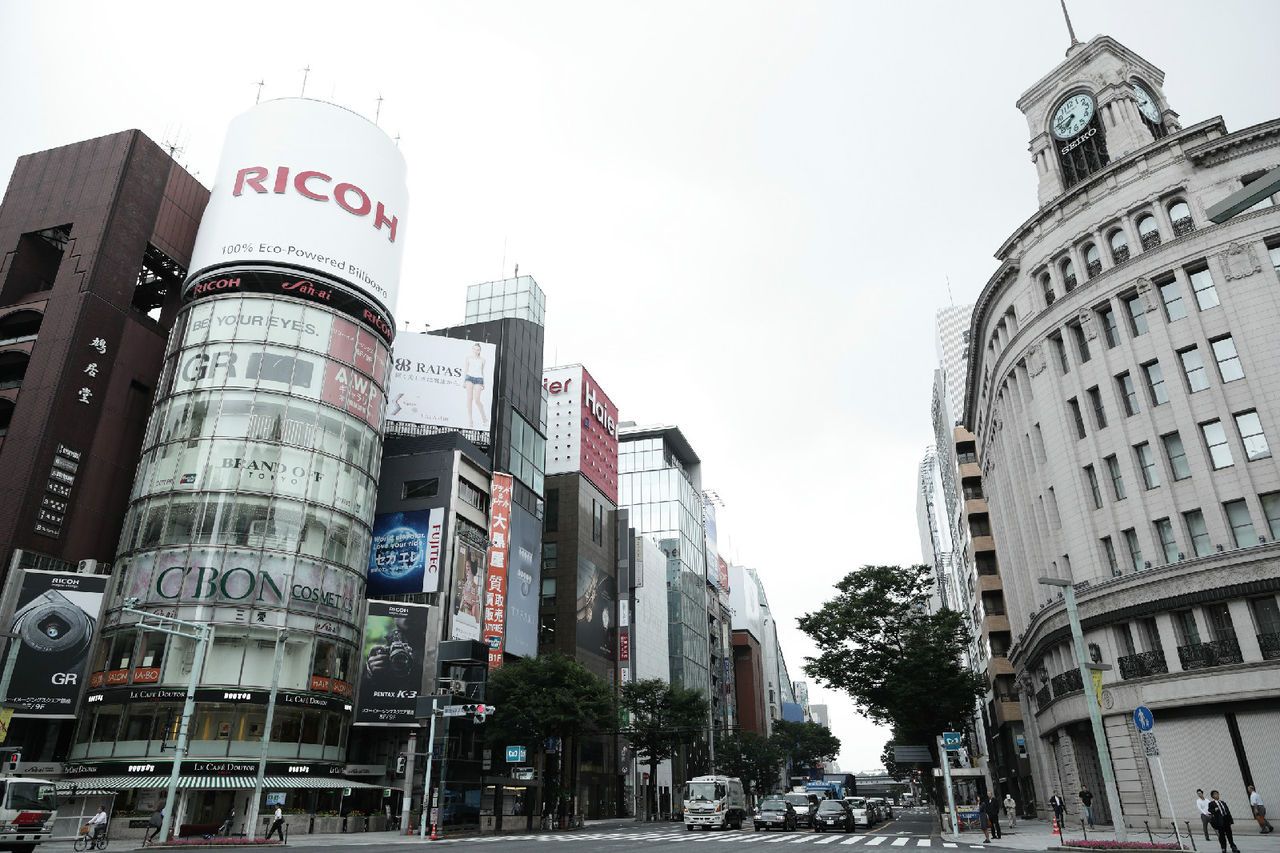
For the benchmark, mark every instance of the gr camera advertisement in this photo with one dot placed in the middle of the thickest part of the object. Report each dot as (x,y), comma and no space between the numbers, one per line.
(439,381)
(395,638)
(55,619)
(406,553)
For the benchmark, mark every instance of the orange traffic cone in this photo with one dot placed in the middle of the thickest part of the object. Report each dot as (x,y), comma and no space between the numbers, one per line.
(1056,829)
(434,837)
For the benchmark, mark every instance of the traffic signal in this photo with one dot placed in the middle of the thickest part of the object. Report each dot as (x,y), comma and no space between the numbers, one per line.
(401,761)
(11,763)
(476,709)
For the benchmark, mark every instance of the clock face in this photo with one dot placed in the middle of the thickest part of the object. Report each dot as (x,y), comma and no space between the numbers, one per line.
(1073,116)
(1146,104)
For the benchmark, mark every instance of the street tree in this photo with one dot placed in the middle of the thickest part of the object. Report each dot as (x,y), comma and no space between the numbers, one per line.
(753,758)
(663,717)
(901,664)
(804,745)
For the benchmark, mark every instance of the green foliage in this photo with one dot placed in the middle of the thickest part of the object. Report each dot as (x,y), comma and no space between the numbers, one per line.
(547,696)
(753,758)
(804,745)
(900,663)
(663,717)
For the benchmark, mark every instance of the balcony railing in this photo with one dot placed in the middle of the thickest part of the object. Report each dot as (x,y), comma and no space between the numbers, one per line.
(1270,645)
(1143,664)
(1150,240)
(1067,682)
(1094,268)
(1183,225)
(1070,282)
(1120,253)
(1043,696)
(1212,653)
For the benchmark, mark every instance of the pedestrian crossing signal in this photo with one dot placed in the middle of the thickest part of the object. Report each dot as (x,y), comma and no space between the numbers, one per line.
(11,763)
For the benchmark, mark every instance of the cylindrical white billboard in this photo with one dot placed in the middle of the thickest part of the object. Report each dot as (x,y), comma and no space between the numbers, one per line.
(309,185)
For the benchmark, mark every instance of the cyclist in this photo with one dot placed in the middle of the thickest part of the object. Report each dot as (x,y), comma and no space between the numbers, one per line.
(98,823)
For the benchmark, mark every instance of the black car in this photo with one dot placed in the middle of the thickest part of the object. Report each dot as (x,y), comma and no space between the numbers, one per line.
(775,811)
(806,806)
(834,814)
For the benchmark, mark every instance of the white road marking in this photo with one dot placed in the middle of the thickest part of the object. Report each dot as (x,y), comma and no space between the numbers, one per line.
(948,844)
(925,842)
(852,840)
(900,842)
(879,839)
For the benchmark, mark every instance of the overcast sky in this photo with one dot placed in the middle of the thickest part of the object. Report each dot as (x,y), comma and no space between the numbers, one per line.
(743,214)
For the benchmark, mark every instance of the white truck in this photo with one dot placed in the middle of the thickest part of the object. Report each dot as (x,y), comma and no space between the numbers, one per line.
(27,809)
(714,802)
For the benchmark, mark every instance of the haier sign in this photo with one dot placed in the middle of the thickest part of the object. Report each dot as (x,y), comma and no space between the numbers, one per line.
(586,419)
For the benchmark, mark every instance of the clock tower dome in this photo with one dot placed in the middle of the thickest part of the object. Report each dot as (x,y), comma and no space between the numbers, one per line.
(1100,104)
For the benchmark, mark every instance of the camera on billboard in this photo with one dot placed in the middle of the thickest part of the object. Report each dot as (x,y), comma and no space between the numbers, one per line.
(265,366)
(51,624)
(401,654)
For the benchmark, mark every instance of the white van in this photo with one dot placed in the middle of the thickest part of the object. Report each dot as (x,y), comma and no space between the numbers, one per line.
(714,802)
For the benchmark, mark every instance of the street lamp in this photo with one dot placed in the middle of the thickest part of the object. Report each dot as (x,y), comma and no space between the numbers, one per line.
(198,631)
(1095,715)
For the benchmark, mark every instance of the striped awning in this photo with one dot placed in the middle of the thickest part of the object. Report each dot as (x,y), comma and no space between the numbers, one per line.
(110,784)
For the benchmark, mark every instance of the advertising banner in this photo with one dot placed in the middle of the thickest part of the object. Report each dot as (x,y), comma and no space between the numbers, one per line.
(395,637)
(495,587)
(723,573)
(406,552)
(597,628)
(523,578)
(440,381)
(310,185)
(55,618)
(468,588)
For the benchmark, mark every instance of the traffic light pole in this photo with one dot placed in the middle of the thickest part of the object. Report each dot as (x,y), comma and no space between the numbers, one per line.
(406,802)
(426,782)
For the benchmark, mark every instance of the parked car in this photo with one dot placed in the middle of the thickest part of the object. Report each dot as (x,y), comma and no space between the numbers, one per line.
(883,806)
(860,811)
(775,811)
(806,806)
(834,814)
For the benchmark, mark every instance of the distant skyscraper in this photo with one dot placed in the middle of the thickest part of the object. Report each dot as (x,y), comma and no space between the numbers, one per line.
(952,344)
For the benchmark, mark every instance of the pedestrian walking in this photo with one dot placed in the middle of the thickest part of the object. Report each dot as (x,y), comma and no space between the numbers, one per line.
(1059,807)
(1220,818)
(1011,810)
(992,805)
(1086,797)
(1259,811)
(156,821)
(228,823)
(1202,804)
(277,825)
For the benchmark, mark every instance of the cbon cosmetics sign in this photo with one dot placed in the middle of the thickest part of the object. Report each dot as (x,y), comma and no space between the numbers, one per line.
(311,185)
(583,424)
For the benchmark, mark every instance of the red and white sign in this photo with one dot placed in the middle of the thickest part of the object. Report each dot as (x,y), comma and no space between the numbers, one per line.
(724,574)
(308,184)
(582,428)
(495,583)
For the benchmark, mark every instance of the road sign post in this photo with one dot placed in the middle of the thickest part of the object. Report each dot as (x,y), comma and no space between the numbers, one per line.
(1146,723)
(943,750)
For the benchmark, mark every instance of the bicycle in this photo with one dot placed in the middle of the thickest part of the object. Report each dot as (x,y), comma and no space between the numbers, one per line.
(90,841)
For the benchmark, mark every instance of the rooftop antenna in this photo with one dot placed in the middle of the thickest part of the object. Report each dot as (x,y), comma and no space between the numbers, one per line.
(377,113)
(397,140)
(1070,30)
(516,274)
(305,72)
(259,84)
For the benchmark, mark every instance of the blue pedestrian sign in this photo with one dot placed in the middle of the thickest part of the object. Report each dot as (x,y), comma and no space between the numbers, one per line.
(515,754)
(1143,718)
(952,740)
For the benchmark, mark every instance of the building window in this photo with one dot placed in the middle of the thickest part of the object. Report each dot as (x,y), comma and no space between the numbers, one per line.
(1224,350)
(1109,552)
(1215,438)
(1099,413)
(1147,464)
(1110,332)
(1082,344)
(1164,533)
(1267,614)
(1193,367)
(1091,477)
(1137,315)
(1117,480)
(1128,394)
(470,493)
(1198,532)
(1092,260)
(1274,252)
(1202,284)
(1046,285)
(1180,216)
(1135,549)
(597,522)
(1155,383)
(546,629)
(1271,509)
(1119,246)
(411,489)
(1252,437)
(551,511)
(550,555)
(1241,523)
(1068,271)
(1074,405)
(1218,616)
(548,592)
(1148,233)
(1171,294)
(1177,456)
(1061,350)
(1184,625)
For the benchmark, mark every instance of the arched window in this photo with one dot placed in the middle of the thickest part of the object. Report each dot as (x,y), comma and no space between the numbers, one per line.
(1148,109)
(20,326)
(1068,270)
(1078,134)
(1092,260)
(1046,285)
(1119,246)
(1148,232)
(1180,216)
(13,367)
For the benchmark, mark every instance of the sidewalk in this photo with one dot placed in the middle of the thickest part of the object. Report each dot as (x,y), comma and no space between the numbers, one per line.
(1038,832)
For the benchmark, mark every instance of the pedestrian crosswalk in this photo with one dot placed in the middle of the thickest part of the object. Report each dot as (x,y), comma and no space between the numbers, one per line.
(743,838)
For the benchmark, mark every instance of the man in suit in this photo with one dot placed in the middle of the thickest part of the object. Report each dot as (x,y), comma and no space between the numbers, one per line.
(1220,817)
(1059,806)
(992,806)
